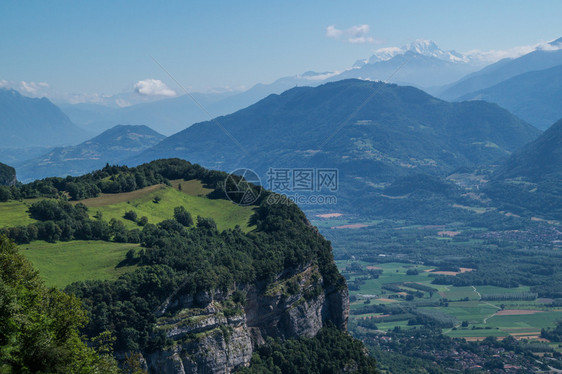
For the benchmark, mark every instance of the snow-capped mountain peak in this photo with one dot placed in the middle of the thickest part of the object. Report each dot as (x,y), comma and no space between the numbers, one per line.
(421,47)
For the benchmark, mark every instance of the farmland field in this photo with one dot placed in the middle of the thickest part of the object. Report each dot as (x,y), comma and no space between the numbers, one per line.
(480,318)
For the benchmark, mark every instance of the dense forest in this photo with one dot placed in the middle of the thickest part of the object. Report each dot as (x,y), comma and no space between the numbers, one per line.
(330,352)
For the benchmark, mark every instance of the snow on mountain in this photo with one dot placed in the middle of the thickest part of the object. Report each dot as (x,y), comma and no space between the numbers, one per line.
(420,46)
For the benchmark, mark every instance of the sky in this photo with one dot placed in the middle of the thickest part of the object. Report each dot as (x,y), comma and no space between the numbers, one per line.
(97,48)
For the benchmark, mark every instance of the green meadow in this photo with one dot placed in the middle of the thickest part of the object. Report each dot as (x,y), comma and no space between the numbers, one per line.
(14,213)
(192,196)
(63,263)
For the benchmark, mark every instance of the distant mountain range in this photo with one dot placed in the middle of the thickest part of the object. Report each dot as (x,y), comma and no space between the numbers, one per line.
(422,64)
(547,56)
(535,96)
(28,122)
(529,182)
(372,132)
(111,147)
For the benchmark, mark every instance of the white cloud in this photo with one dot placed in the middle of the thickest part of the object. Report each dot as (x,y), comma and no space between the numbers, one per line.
(332,32)
(496,55)
(121,103)
(4,83)
(32,88)
(153,87)
(355,34)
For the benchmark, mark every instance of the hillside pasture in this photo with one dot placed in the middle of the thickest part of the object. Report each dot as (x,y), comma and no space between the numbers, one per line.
(63,263)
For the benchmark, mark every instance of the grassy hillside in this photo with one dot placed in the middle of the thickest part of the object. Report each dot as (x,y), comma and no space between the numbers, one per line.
(191,196)
(14,213)
(63,263)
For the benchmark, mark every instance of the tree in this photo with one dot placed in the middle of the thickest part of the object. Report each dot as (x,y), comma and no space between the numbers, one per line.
(206,223)
(5,193)
(46,336)
(183,216)
(142,221)
(131,215)
(130,255)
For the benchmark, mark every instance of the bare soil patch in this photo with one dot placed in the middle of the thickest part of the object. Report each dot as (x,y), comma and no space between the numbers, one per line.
(329,215)
(110,199)
(516,312)
(450,234)
(351,226)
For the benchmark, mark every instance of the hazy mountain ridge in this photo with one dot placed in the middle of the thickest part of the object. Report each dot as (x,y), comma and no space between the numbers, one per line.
(544,57)
(111,146)
(421,63)
(533,96)
(28,122)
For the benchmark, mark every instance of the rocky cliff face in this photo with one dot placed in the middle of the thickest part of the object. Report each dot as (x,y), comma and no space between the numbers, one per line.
(7,175)
(211,334)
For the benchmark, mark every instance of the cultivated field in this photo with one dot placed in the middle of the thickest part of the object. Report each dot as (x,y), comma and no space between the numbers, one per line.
(522,319)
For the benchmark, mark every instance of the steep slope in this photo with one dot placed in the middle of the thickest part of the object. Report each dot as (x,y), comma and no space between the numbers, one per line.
(534,96)
(547,57)
(529,182)
(7,175)
(372,132)
(26,122)
(121,141)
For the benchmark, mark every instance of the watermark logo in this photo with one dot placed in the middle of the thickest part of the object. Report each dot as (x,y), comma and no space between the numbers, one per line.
(240,186)
(299,185)
(302,179)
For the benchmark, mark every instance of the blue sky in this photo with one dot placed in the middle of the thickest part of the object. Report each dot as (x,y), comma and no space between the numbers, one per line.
(106,46)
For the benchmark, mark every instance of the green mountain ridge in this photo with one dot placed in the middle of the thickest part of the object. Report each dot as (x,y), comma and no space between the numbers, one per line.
(529,181)
(370,131)
(533,96)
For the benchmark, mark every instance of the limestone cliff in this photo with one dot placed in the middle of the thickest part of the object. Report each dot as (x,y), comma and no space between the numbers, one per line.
(212,333)
(7,175)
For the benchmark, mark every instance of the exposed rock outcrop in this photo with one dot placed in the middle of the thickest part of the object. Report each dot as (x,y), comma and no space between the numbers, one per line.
(213,334)
(7,175)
